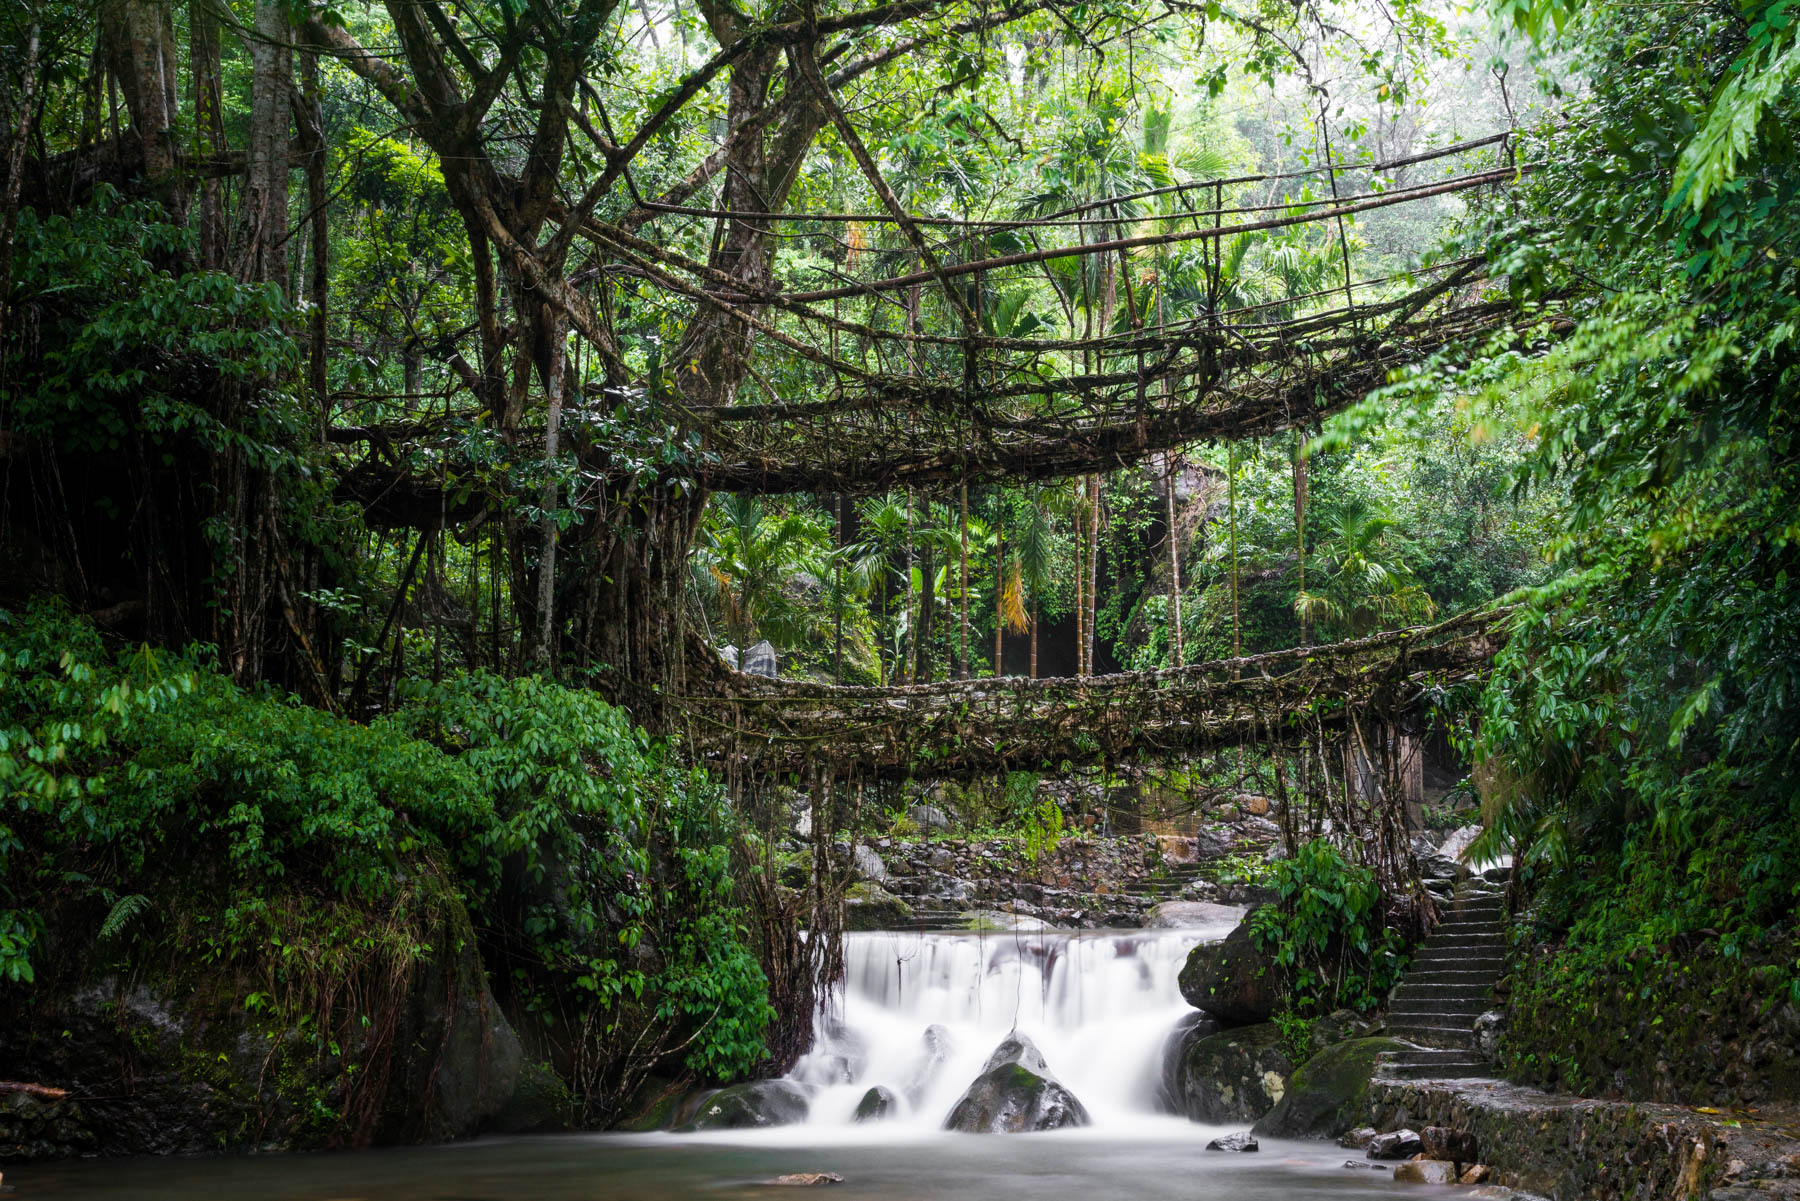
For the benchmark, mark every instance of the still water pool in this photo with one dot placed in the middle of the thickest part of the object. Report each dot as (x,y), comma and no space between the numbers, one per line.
(1162,1161)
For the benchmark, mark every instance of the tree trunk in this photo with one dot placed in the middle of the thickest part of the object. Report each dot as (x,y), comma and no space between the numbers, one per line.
(139,40)
(1093,569)
(546,640)
(209,127)
(310,121)
(262,252)
(963,568)
(15,168)
(1300,527)
(1080,591)
(999,602)
(1174,547)
(1034,634)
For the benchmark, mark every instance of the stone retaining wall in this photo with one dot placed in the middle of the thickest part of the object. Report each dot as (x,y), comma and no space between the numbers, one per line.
(1569,1149)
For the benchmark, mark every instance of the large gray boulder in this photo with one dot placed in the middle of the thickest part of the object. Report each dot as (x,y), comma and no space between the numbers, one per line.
(1015,1094)
(1235,980)
(747,1106)
(1233,1076)
(759,660)
(1329,1094)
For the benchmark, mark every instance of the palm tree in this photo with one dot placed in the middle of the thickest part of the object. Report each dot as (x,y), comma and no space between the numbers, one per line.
(747,554)
(1366,585)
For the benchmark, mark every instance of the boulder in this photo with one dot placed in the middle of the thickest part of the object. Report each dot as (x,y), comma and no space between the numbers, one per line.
(1235,980)
(1251,804)
(1183,915)
(1328,1095)
(806,1179)
(1358,1138)
(869,906)
(1444,1142)
(1232,1076)
(928,817)
(1336,1027)
(747,1106)
(868,864)
(1016,1093)
(1190,1029)
(1475,1173)
(1396,1144)
(878,1104)
(1425,1171)
(728,655)
(1458,841)
(760,660)
(1233,1142)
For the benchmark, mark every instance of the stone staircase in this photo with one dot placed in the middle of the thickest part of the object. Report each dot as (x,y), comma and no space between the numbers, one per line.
(1450,984)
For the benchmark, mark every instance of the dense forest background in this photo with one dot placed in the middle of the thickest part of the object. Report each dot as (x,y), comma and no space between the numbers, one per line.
(364,380)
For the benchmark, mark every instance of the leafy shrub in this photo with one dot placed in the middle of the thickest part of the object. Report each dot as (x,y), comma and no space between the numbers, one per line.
(569,834)
(1327,930)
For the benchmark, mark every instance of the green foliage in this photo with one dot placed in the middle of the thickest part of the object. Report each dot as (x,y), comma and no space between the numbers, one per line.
(1043,829)
(569,834)
(130,349)
(1328,929)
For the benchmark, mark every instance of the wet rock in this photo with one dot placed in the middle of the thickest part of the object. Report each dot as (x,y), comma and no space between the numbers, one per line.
(759,660)
(869,906)
(939,1046)
(1489,1028)
(1233,1142)
(1358,1138)
(868,864)
(1337,1027)
(1360,1164)
(877,1105)
(1232,1076)
(1445,1142)
(1252,804)
(747,1106)
(1329,1094)
(1425,1171)
(1458,841)
(1396,1144)
(1442,867)
(807,1179)
(1190,1029)
(1016,1093)
(1475,1173)
(1181,915)
(928,817)
(1235,979)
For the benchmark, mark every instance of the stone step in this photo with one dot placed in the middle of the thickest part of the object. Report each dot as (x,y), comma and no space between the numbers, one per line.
(1469,985)
(1466,1067)
(1467,928)
(1436,1036)
(1467,960)
(1452,975)
(1433,1017)
(1472,1004)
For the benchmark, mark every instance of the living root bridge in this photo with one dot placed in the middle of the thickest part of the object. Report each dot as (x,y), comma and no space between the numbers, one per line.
(969,728)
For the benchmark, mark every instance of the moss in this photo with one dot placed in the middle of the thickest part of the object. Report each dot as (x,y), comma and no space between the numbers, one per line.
(1329,1093)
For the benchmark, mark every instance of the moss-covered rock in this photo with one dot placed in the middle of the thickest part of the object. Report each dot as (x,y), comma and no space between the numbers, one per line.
(1329,1093)
(869,906)
(1015,1094)
(1232,1076)
(747,1106)
(1235,980)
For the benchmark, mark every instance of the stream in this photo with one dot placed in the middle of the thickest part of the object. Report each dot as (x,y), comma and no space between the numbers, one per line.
(919,1013)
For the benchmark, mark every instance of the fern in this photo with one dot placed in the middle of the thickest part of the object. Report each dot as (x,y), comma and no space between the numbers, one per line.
(124,910)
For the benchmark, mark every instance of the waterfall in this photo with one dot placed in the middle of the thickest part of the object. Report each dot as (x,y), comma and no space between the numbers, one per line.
(919,1013)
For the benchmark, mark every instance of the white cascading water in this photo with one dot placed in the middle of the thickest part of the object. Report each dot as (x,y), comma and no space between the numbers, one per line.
(921,1012)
